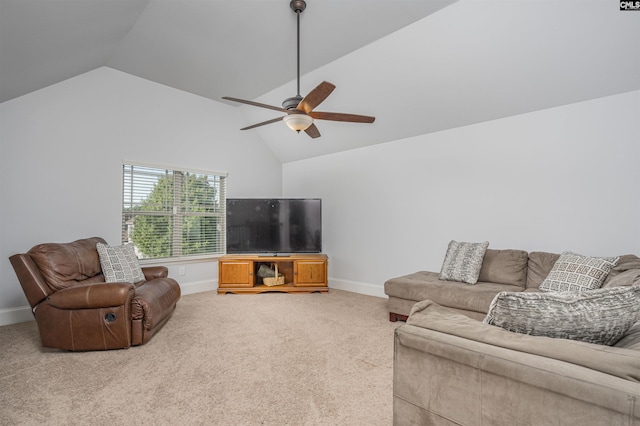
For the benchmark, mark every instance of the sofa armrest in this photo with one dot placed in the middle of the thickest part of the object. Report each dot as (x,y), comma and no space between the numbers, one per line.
(93,296)
(438,375)
(620,362)
(153,272)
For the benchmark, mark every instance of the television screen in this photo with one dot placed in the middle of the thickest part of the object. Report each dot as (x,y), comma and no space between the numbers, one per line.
(275,225)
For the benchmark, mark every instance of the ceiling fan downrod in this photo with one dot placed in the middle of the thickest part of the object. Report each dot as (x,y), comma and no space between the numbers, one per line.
(298,6)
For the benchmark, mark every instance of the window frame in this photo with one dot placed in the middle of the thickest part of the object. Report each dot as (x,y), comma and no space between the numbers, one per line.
(177,210)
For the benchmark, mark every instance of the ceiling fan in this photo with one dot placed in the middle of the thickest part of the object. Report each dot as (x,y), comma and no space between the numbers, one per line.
(299,110)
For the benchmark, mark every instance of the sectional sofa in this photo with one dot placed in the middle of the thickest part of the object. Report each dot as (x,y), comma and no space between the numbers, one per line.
(452,368)
(502,270)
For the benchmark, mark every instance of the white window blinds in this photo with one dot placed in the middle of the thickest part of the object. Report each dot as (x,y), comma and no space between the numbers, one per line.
(173,213)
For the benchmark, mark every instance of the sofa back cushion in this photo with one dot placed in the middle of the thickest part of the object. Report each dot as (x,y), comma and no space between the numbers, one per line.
(505,267)
(626,272)
(67,264)
(631,340)
(540,264)
(575,272)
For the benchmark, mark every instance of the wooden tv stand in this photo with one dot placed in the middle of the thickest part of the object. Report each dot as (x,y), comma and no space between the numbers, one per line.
(303,273)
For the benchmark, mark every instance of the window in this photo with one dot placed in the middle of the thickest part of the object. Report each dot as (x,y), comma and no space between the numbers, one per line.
(173,213)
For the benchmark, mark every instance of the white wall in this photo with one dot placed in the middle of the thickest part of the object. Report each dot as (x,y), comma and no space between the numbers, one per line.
(61,155)
(559,179)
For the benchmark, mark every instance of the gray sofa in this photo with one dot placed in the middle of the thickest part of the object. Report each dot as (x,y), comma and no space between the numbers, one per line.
(502,270)
(451,369)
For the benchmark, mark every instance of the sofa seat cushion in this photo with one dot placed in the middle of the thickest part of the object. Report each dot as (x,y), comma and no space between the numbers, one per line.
(617,361)
(426,285)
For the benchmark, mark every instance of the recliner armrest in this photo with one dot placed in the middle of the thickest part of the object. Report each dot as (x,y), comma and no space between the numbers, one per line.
(101,295)
(33,283)
(153,272)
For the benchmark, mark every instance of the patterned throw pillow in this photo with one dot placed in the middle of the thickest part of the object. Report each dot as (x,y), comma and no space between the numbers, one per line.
(574,272)
(120,264)
(601,316)
(463,262)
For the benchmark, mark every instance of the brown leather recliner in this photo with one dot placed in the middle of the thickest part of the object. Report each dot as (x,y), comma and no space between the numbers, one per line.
(76,310)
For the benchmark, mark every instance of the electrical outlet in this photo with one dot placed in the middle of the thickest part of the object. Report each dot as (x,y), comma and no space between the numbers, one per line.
(182,270)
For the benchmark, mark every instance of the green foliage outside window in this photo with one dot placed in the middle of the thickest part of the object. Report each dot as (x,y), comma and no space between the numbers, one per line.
(180,216)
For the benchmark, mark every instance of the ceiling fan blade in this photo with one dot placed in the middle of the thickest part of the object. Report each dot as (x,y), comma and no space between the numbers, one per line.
(258,104)
(316,96)
(262,124)
(338,116)
(313,131)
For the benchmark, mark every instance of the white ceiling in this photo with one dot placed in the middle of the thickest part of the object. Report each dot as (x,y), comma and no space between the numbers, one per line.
(418,66)
(212,48)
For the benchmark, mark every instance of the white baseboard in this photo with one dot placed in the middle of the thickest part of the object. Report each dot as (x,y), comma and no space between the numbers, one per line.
(22,314)
(198,287)
(15,315)
(357,287)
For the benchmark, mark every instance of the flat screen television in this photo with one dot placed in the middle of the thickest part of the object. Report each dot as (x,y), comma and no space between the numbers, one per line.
(274,225)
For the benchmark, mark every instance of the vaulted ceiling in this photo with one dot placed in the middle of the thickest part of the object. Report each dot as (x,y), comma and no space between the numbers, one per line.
(418,66)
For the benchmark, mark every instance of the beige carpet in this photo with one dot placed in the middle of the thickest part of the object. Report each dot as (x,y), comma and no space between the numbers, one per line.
(266,359)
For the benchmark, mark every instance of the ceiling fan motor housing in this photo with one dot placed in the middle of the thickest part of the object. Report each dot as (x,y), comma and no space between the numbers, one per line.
(292,103)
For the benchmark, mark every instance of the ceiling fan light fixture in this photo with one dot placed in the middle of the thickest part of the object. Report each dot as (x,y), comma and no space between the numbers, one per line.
(298,121)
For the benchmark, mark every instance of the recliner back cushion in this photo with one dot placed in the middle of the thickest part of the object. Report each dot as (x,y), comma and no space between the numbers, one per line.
(505,267)
(540,264)
(65,265)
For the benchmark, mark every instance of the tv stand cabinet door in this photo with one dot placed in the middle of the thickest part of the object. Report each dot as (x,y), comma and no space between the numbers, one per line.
(235,273)
(310,273)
